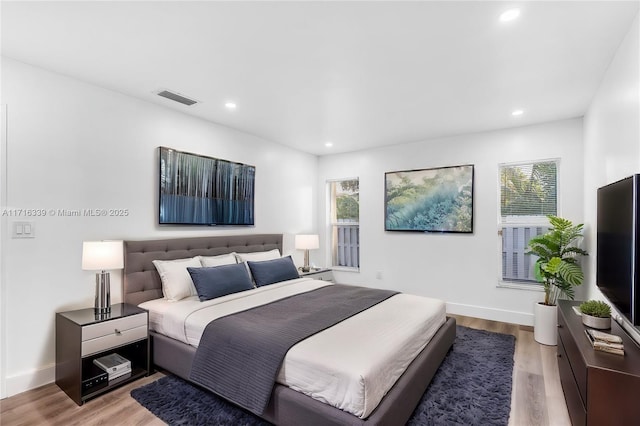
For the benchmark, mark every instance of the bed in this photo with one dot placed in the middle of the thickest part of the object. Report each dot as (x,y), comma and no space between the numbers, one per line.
(287,406)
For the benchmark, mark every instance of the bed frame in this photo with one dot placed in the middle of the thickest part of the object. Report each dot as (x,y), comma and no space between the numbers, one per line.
(287,407)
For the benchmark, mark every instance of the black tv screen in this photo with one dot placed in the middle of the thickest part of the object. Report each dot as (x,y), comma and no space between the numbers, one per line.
(617,265)
(200,190)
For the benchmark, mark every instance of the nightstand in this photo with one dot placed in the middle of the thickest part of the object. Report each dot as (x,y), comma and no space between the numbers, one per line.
(323,274)
(82,336)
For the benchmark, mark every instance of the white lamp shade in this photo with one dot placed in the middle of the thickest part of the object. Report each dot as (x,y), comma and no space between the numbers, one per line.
(102,255)
(307,242)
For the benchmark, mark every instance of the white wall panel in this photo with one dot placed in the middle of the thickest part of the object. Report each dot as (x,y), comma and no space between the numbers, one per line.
(612,136)
(74,146)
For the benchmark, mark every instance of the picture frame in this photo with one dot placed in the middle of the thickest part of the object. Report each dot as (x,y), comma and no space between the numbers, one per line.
(430,200)
(196,189)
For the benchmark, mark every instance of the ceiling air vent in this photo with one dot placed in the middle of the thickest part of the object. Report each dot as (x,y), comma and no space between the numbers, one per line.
(176,97)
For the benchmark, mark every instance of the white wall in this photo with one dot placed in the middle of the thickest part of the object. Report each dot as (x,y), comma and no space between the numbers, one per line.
(612,135)
(3,231)
(462,269)
(73,145)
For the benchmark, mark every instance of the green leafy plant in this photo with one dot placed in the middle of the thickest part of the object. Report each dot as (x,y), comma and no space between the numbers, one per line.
(557,267)
(596,308)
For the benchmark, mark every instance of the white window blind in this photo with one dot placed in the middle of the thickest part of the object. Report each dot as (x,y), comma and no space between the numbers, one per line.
(528,193)
(529,189)
(345,227)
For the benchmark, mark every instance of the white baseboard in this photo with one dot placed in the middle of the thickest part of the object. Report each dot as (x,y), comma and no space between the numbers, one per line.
(32,379)
(513,317)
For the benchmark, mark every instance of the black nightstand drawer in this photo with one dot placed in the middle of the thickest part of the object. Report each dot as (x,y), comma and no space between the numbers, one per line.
(115,339)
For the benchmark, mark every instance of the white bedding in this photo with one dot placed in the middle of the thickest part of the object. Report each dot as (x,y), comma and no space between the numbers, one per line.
(351,365)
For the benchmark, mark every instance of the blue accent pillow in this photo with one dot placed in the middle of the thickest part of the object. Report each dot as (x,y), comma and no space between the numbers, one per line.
(218,281)
(273,271)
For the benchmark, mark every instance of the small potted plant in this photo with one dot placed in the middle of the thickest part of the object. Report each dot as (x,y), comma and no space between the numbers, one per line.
(596,314)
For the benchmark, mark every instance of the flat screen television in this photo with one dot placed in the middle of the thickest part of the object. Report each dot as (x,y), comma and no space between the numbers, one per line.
(200,190)
(618,247)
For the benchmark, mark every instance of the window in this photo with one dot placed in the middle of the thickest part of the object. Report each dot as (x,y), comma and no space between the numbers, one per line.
(528,193)
(344,222)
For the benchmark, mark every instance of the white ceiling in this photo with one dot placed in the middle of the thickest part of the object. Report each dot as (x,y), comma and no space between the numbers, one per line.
(358,74)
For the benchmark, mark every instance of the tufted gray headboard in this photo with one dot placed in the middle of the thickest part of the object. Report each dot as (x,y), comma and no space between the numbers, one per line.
(141,280)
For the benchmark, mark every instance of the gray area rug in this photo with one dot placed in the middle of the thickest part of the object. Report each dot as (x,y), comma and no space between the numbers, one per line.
(471,387)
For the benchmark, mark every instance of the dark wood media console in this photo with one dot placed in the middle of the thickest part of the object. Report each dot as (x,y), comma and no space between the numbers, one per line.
(600,388)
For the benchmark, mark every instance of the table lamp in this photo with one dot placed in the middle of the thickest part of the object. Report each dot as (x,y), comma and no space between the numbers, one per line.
(102,256)
(306,243)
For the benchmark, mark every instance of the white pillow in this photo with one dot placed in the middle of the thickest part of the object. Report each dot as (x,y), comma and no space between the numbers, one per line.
(223,259)
(176,281)
(258,256)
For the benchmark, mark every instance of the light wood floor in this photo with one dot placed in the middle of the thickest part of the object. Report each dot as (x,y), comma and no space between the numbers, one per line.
(536,398)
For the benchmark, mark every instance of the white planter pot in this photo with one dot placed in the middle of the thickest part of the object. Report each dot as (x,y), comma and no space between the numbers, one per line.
(545,324)
(596,322)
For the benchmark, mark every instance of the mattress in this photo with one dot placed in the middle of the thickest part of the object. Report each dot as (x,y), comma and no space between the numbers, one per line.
(350,366)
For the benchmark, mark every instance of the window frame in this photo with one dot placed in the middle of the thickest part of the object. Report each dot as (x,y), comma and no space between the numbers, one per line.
(522,221)
(332,223)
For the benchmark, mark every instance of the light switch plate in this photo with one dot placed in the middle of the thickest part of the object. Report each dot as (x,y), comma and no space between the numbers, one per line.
(23,230)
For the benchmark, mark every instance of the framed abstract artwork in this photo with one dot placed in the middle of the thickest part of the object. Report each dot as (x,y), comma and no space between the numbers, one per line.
(429,200)
(200,190)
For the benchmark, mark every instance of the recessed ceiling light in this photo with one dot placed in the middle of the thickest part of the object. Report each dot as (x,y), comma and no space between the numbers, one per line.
(517,112)
(509,15)
(230,105)
(328,144)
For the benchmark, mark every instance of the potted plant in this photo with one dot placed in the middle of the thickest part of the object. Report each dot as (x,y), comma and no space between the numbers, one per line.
(558,270)
(596,314)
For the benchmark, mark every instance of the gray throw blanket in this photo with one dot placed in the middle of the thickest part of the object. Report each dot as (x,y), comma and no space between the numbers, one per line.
(239,355)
